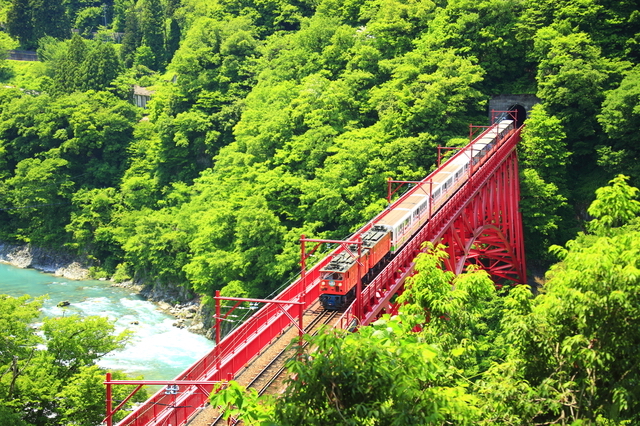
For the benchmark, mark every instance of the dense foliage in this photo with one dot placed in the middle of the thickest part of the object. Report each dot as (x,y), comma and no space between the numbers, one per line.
(48,374)
(278,118)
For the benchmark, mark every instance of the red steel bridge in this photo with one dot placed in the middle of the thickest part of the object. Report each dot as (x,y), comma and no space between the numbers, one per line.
(479,223)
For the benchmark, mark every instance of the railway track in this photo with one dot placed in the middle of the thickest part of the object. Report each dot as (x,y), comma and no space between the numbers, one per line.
(270,377)
(272,372)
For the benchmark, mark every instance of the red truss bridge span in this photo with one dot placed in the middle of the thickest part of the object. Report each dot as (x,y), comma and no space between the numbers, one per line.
(469,203)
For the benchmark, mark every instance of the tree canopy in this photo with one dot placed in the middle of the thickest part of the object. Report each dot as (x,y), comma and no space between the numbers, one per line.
(48,374)
(298,110)
(461,352)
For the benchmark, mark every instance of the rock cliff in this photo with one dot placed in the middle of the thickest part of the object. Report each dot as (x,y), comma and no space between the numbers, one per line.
(58,263)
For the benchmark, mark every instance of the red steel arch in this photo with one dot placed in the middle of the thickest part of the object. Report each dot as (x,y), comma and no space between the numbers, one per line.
(488,229)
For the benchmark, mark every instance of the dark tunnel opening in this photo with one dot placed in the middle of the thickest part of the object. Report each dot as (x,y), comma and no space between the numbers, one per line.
(520,115)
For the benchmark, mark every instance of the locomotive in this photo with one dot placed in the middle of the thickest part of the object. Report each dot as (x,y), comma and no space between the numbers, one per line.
(394,227)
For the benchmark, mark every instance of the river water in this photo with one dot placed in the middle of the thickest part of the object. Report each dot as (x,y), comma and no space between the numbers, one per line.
(157,351)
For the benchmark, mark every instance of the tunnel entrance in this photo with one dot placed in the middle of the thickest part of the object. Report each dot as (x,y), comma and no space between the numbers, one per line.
(520,103)
(521,113)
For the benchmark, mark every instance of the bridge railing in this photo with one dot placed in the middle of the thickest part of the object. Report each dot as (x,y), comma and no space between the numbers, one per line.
(233,353)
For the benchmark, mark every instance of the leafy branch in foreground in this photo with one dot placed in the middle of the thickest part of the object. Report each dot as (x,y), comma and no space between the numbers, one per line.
(48,374)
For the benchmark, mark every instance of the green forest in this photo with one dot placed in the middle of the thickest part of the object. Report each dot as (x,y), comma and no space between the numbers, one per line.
(269,119)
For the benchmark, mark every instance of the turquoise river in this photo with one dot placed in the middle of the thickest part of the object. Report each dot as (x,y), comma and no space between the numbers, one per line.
(157,350)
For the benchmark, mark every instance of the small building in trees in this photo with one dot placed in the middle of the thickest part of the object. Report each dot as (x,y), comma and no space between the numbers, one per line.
(22,55)
(141,95)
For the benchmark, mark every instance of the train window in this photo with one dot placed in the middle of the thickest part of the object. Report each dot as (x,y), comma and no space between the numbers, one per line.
(335,276)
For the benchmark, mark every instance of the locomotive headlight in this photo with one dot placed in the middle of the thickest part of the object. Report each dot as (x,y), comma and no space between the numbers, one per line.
(332,283)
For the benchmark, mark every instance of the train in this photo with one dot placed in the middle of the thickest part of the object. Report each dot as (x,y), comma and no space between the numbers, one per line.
(393,228)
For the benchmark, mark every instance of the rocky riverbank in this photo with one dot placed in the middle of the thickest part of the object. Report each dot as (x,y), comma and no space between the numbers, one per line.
(177,302)
(187,309)
(60,264)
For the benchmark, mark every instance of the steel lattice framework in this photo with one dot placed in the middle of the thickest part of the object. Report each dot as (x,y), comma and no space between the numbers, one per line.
(480,224)
(488,228)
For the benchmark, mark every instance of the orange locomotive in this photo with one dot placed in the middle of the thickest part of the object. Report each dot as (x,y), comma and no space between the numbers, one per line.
(340,276)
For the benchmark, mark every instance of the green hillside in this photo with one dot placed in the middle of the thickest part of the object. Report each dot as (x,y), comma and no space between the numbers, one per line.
(275,118)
